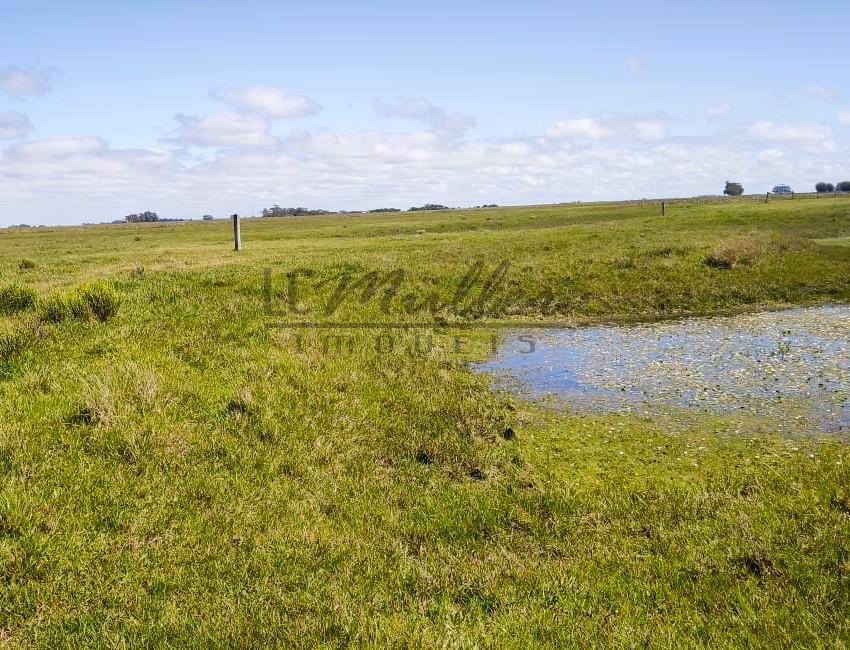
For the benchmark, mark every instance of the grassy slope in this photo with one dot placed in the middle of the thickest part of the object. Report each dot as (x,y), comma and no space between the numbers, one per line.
(228,489)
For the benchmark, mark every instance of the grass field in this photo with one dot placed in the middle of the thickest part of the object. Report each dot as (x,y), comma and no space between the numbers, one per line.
(178,472)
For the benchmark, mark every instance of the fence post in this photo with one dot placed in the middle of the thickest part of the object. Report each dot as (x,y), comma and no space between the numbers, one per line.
(663,209)
(766,197)
(237,235)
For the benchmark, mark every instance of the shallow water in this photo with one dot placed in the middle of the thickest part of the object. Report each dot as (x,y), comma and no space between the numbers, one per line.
(789,369)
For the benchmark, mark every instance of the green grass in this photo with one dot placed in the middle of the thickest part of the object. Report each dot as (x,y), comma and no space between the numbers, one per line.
(179,473)
(834,241)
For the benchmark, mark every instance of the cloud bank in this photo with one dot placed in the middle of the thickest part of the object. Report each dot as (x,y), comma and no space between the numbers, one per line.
(248,158)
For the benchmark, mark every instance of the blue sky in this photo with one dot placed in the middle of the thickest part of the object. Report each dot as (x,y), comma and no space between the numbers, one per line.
(188,108)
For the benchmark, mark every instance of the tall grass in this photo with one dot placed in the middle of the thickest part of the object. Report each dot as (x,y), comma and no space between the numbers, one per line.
(98,300)
(12,342)
(16,298)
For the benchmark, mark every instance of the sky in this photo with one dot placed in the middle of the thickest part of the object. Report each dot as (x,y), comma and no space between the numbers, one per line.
(193,108)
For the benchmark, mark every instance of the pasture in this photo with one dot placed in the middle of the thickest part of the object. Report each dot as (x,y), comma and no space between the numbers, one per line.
(176,468)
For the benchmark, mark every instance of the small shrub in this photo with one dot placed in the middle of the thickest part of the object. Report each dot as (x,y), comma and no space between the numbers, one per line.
(100,299)
(26,265)
(16,298)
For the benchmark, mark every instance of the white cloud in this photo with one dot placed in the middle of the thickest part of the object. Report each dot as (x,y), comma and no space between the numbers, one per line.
(367,146)
(19,82)
(223,130)
(14,125)
(269,101)
(421,110)
(82,179)
(58,148)
(844,118)
(824,92)
(770,156)
(584,127)
(646,130)
(637,62)
(597,129)
(812,137)
(721,110)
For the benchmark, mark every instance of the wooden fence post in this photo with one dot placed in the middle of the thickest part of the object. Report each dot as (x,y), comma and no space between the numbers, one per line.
(663,209)
(766,197)
(237,235)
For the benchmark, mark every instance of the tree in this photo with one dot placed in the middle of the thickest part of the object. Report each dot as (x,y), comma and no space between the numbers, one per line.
(823,188)
(429,206)
(733,189)
(843,186)
(142,217)
(277,211)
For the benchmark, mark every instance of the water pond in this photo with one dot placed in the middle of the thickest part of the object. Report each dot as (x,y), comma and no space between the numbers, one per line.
(788,370)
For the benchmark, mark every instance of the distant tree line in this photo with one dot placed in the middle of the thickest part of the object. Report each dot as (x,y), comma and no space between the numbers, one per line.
(429,206)
(277,211)
(736,189)
(823,188)
(142,217)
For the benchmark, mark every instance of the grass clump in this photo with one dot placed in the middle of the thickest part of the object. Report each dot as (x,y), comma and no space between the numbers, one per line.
(12,343)
(97,300)
(98,408)
(57,308)
(26,265)
(16,298)
(15,338)
(744,251)
(100,298)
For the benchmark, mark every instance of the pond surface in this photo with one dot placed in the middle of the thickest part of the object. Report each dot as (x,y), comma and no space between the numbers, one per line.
(788,370)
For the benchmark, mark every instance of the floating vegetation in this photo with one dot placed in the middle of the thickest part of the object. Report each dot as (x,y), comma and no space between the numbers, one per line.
(792,367)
